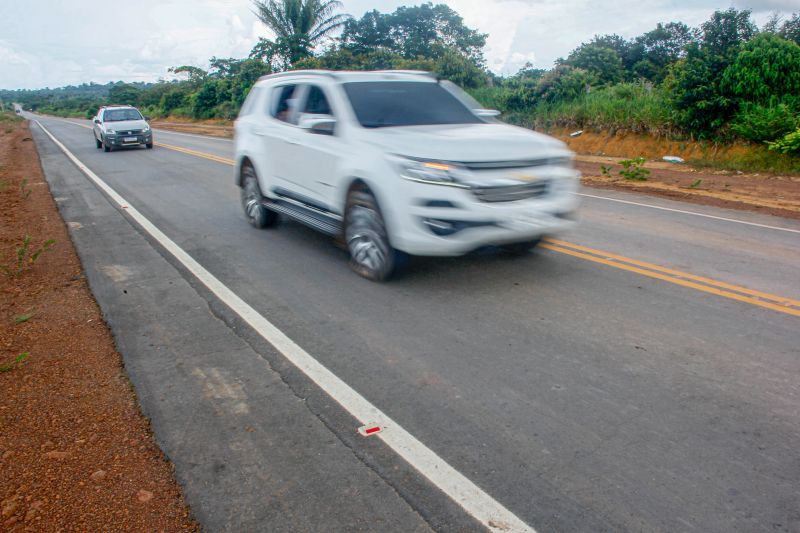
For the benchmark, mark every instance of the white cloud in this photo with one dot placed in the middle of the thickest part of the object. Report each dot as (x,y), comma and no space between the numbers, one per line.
(47,43)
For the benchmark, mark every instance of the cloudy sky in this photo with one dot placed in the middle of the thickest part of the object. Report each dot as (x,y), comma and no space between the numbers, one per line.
(50,43)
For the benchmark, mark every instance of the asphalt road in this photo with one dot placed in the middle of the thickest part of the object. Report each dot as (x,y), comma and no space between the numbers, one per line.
(580,393)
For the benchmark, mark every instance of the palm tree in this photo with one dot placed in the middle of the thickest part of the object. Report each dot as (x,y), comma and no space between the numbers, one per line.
(299,24)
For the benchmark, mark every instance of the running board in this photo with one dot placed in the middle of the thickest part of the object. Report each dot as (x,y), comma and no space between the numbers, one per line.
(326,223)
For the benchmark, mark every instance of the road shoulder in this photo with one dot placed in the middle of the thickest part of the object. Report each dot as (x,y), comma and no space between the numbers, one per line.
(248,451)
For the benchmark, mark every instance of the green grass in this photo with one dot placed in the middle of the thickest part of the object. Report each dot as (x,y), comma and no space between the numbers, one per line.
(10,117)
(633,107)
(18,360)
(759,159)
(19,319)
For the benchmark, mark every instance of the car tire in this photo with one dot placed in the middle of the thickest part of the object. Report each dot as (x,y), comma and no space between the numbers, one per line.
(520,248)
(371,253)
(255,211)
(106,146)
(98,143)
(148,146)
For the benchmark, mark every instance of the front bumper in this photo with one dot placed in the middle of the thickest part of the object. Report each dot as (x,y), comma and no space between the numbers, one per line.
(129,140)
(446,221)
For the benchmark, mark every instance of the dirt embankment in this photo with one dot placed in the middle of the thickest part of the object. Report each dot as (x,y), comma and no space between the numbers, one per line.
(76,454)
(769,193)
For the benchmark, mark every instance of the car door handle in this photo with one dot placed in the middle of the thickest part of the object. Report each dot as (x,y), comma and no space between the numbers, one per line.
(292,142)
(260,133)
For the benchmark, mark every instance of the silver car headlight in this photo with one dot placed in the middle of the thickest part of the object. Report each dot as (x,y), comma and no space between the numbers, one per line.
(111,132)
(433,172)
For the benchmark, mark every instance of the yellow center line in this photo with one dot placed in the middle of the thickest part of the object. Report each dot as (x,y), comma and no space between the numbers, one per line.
(676,280)
(766,300)
(782,300)
(195,153)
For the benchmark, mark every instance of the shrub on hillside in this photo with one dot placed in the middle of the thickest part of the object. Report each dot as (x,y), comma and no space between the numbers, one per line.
(765,69)
(759,123)
(790,144)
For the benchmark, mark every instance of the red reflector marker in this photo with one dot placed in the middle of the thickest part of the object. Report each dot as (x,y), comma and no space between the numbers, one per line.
(369,429)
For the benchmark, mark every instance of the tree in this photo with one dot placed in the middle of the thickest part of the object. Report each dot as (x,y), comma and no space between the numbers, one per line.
(790,29)
(726,30)
(604,63)
(698,104)
(196,75)
(659,48)
(564,83)
(124,94)
(766,69)
(426,30)
(299,25)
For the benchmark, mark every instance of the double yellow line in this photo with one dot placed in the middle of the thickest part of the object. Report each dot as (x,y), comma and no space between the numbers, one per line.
(195,153)
(773,302)
(684,279)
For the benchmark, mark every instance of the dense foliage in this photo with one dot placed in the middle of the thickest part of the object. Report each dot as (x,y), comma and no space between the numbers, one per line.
(726,79)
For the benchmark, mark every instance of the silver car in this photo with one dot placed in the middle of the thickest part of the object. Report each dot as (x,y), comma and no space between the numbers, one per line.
(120,126)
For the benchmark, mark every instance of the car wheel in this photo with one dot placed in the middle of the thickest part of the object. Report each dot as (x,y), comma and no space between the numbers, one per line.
(106,146)
(255,211)
(148,146)
(371,254)
(521,248)
(98,143)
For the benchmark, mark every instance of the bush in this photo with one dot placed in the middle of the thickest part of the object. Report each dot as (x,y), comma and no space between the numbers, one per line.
(766,68)
(764,123)
(790,144)
(564,83)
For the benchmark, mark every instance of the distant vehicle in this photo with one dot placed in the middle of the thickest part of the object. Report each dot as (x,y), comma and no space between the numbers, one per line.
(119,126)
(397,163)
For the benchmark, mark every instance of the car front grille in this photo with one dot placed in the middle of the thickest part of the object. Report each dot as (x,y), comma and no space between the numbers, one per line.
(510,193)
(129,132)
(523,163)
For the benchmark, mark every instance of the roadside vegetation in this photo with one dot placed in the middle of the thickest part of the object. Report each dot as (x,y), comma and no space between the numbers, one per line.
(725,82)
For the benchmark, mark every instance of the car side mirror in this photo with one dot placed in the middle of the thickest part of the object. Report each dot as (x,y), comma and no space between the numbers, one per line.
(147,119)
(487,113)
(318,124)
(97,121)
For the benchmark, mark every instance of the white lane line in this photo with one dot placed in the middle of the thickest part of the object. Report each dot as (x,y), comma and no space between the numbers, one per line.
(491,513)
(689,213)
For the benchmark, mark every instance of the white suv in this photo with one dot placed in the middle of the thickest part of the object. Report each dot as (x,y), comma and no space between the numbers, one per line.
(119,126)
(397,163)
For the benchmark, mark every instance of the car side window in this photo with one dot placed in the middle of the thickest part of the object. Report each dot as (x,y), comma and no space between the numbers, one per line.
(283,102)
(316,102)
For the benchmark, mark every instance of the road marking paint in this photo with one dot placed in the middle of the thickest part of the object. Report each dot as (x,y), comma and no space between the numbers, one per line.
(204,155)
(680,274)
(790,230)
(461,490)
(677,279)
(781,304)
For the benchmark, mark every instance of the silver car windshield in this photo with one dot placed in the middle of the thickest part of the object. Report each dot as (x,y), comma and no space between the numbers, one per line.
(118,115)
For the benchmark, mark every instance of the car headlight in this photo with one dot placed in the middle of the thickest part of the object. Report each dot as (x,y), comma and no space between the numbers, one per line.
(433,172)
(111,132)
(146,129)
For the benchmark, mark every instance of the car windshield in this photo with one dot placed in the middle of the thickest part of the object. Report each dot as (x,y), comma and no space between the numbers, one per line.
(383,104)
(117,115)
